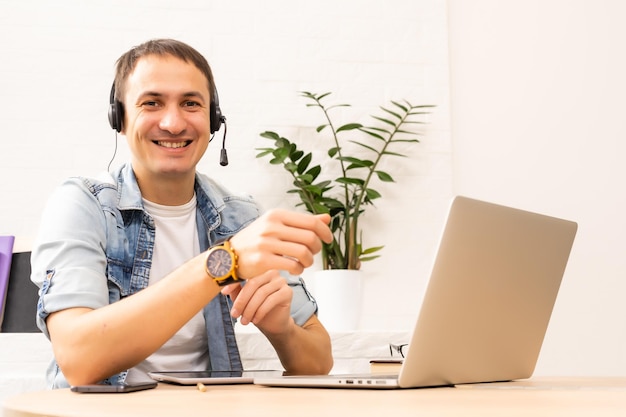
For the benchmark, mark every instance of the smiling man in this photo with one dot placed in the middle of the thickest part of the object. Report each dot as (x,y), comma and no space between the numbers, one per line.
(141,269)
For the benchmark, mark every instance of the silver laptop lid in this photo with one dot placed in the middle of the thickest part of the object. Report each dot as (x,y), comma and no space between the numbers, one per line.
(490,296)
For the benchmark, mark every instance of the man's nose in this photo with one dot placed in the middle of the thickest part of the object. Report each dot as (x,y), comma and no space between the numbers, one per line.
(173,120)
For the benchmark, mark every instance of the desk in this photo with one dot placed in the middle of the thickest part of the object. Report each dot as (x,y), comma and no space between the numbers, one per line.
(24,357)
(597,397)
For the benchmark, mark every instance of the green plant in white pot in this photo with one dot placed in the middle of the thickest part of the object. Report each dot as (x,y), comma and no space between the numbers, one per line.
(346,196)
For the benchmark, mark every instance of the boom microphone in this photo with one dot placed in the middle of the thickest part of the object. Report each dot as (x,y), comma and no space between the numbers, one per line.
(223,154)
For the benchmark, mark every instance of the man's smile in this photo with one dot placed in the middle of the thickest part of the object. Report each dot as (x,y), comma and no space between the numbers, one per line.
(170,144)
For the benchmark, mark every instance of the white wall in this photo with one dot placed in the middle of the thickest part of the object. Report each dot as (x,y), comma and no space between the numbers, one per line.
(56,70)
(536,86)
(538,107)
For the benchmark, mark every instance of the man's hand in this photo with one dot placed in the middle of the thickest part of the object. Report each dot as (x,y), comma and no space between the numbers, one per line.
(264,301)
(280,240)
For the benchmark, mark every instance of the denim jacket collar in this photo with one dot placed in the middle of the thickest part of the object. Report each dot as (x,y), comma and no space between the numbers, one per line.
(210,199)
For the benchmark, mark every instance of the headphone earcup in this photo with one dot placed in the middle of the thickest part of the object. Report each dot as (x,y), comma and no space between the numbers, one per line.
(216,117)
(116,115)
(116,111)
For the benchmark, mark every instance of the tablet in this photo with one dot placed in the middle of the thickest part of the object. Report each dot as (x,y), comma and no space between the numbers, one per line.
(212,377)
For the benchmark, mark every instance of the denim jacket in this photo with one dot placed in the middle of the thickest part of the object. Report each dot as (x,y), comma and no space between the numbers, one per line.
(93,228)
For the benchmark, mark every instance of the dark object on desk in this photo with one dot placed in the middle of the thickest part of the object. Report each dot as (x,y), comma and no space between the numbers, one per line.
(114,389)
(20,307)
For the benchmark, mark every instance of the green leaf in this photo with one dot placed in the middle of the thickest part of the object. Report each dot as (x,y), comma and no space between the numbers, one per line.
(349,126)
(348,180)
(295,155)
(383,176)
(291,167)
(313,189)
(356,161)
(304,163)
(393,154)
(405,131)
(377,136)
(319,209)
(372,250)
(368,258)
(372,194)
(365,146)
(389,122)
(333,204)
(404,108)
(324,184)
(270,135)
(396,115)
(282,143)
(337,105)
(406,140)
(314,172)
(280,154)
(321,96)
(377,129)
(333,151)
(265,151)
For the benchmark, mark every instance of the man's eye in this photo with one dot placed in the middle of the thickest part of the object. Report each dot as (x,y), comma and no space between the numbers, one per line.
(191,103)
(150,103)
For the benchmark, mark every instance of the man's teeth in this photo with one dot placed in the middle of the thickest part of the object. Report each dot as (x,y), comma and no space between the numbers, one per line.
(172,144)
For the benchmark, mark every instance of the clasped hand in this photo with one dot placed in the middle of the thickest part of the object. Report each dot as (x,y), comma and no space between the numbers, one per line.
(278,240)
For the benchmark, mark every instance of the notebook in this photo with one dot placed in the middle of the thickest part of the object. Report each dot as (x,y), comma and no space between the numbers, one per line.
(6,256)
(486,309)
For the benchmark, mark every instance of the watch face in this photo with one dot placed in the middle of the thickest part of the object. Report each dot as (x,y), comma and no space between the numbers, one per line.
(219,263)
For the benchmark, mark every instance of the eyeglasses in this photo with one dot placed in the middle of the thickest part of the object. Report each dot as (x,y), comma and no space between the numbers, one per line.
(397,349)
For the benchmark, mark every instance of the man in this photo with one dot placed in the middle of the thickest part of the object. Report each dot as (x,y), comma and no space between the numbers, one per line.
(127,283)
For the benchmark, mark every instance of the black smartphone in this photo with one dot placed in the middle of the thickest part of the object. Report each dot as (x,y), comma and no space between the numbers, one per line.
(119,388)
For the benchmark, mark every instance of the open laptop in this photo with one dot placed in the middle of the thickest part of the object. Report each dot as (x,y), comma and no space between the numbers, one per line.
(486,309)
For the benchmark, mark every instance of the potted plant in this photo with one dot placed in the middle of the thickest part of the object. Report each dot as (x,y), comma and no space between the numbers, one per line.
(352,163)
(346,196)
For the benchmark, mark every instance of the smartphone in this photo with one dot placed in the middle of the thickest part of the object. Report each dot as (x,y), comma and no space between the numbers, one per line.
(119,388)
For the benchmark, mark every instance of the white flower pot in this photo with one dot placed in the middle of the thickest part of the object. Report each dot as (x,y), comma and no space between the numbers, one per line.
(338,296)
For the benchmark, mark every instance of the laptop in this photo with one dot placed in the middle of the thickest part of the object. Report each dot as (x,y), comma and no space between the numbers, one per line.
(487,305)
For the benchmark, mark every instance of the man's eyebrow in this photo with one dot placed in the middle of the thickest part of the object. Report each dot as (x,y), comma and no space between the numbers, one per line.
(150,94)
(195,94)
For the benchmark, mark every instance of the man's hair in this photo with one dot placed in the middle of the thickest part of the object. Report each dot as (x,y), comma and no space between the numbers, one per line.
(161,47)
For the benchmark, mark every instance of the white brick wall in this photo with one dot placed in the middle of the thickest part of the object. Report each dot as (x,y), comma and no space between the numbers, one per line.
(56,70)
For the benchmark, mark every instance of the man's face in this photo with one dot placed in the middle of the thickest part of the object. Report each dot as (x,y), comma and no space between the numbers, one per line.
(167,122)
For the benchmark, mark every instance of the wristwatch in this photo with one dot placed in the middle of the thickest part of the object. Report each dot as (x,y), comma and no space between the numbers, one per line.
(221,264)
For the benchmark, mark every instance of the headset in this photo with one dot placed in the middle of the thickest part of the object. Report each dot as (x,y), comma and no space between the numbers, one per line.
(116,118)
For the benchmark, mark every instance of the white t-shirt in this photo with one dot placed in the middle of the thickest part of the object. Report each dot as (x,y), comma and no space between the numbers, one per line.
(176,241)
